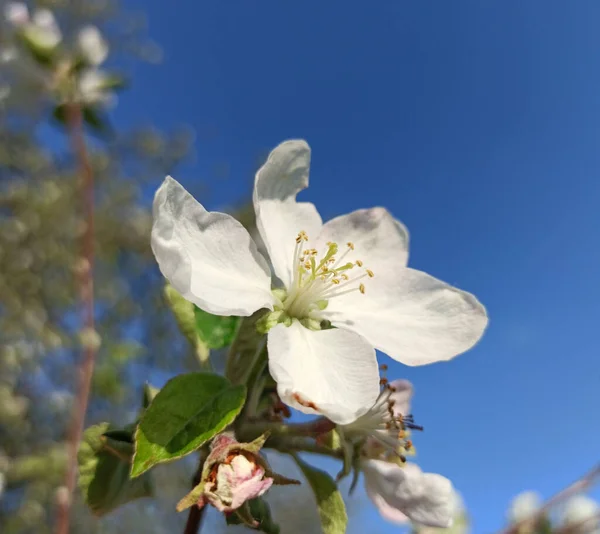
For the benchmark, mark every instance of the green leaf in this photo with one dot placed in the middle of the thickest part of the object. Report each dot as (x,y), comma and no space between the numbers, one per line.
(104,463)
(188,411)
(332,510)
(255,514)
(149,393)
(215,331)
(183,311)
(96,120)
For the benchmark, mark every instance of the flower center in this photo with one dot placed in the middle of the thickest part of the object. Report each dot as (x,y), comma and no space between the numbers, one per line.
(386,430)
(320,276)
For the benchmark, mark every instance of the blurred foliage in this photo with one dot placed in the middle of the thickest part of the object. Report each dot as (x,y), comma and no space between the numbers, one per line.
(41,225)
(40,230)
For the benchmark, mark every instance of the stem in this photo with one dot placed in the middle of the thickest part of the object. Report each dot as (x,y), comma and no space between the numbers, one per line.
(86,290)
(313,428)
(295,445)
(196,514)
(577,487)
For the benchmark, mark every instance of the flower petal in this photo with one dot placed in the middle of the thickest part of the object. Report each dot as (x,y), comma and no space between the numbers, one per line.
(208,257)
(332,372)
(377,238)
(435,507)
(278,216)
(425,498)
(416,319)
(389,513)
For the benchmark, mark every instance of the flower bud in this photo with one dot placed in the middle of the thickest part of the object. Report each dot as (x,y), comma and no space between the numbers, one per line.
(233,474)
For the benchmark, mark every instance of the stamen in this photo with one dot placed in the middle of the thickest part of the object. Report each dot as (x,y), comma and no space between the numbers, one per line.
(370,273)
(359,263)
(361,287)
(350,245)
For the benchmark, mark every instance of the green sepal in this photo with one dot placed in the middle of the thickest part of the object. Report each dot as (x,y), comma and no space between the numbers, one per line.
(191,498)
(104,459)
(332,510)
(254,514)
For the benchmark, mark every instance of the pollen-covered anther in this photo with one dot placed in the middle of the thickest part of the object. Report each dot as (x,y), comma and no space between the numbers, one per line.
(350,245)
(301,237)
(335,281)
(361,287)
(370,273)
(345,276)
(359,263)
(383,381)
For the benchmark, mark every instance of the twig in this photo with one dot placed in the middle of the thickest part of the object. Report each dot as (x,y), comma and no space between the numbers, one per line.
(86,289)
(577,487)
(196,514)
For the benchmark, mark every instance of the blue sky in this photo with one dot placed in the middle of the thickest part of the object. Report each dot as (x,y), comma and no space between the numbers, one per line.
(475,123)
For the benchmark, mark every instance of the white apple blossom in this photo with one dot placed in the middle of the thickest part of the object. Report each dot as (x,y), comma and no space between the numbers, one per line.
(93,89)
(350,271)
(91,45)
(581,515)
(524,506)
(41,28)
(404,491)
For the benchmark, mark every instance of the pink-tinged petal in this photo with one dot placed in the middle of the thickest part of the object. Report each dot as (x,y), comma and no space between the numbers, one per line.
(426,498)
(389,513)
(238,482)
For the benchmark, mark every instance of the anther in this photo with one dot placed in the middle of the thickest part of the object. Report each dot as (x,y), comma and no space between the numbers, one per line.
(383,367)
(361,287)
(383,381)
(350,245)
(370,273)
(335,281)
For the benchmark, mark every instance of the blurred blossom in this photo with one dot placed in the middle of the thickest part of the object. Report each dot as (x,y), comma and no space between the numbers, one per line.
(7,54)
(581,514)
(93,88)
(92,46)
(16,13)
(41,29)
(400,491)
(460,523)
(524,506)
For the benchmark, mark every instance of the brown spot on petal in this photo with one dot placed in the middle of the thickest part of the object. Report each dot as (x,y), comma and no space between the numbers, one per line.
(304,402)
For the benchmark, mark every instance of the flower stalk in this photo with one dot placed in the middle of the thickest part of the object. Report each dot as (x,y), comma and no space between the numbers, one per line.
(86,292)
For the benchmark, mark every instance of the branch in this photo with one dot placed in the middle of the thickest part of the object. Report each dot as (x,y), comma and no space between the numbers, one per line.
(579,486)
(86,290)
(196,514)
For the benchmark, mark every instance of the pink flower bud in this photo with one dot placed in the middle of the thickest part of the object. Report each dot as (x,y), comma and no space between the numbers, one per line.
(233,473)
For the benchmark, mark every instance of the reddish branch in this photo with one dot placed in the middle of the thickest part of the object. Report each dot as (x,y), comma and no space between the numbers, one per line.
(86,290)
(196,514)
(584,483)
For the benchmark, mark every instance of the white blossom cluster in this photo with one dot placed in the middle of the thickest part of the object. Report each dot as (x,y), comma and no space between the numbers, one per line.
(331,294)
(36,33)
(580,514)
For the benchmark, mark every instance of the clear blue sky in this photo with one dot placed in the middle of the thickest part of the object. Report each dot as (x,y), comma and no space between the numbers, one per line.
(477,124)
